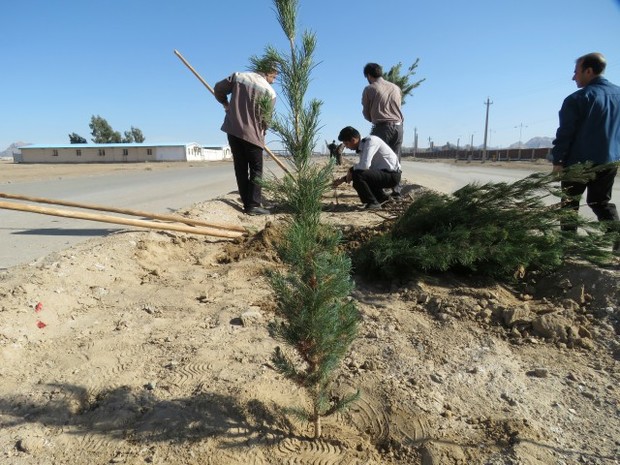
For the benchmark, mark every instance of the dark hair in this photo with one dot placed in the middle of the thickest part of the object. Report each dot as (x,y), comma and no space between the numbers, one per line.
(347,134)
(595,60)
(373,70)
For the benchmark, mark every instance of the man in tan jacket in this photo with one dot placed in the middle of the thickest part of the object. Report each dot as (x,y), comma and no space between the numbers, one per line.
(381,105)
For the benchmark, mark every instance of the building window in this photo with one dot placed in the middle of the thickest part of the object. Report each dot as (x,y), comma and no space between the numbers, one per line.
(125,152)
(149,151)
(54,153)
(78,152)
(102,152)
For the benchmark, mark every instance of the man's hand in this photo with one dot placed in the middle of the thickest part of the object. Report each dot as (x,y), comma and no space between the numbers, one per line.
(346,178)
(337,182)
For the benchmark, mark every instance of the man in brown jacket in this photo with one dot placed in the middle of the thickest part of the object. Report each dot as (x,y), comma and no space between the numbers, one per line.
(247,117)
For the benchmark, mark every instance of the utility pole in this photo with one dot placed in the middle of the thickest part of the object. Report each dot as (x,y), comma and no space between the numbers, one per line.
(488,103)
(520,138)
(415,141)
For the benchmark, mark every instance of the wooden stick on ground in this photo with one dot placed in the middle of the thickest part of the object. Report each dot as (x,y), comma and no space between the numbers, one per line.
(125,211)
(118,220)
(191,68)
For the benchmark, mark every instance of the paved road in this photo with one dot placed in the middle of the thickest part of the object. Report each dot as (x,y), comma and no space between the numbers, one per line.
(448,177)
(27,236)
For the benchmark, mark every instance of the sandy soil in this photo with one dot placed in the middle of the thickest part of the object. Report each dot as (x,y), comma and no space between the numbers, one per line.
(152,347)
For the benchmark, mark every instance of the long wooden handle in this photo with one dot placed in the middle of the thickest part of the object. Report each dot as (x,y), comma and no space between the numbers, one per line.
(277,160)
(125,211)
(118,220)
(191,68)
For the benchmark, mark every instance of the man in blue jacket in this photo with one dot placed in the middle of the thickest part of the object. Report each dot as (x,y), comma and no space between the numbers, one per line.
(589,131)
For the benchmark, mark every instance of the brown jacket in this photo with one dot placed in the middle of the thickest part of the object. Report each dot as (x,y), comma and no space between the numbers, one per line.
(243,118)
(381,102)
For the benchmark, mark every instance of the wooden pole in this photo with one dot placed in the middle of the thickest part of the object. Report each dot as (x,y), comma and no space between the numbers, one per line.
(125,211)
(191,68)
(118,220)
(277,160)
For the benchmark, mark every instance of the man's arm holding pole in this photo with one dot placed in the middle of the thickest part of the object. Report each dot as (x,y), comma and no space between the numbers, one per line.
(269,152)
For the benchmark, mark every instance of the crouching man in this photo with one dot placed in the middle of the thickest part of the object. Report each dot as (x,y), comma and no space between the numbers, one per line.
(378,168)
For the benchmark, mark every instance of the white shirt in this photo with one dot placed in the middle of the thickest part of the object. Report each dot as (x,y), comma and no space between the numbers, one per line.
(376,155)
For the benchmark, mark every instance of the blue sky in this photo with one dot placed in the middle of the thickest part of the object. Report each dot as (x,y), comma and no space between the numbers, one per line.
(66,60)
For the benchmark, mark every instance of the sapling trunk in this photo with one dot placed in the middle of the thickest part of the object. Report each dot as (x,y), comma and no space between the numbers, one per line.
(317,424)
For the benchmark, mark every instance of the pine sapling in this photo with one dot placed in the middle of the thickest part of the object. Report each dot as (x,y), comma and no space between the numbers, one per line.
(316,318)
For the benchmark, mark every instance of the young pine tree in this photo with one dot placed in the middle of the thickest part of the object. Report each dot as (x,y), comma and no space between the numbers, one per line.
(402,80)
(317,320)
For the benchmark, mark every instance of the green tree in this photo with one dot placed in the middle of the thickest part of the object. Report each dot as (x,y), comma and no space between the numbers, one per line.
(402,80)
(135,135)
(76,139)
(318,321)
(102,132)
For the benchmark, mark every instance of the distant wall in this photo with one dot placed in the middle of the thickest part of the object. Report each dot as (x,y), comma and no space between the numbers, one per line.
(82,155)
(120,153)
(491,155)
(174,153)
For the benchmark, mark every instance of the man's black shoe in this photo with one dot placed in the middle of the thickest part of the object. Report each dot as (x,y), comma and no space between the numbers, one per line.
(373,206)
(255,211)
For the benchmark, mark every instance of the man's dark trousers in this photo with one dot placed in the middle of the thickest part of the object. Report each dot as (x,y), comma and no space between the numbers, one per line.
(392,135)
(598,196)
(248,163)
(369,184)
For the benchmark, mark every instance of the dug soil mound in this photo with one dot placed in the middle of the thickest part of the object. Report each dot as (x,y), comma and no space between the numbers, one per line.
(149,347)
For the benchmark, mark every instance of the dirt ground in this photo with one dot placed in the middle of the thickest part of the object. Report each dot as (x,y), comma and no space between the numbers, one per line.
(152,347)
(17,172)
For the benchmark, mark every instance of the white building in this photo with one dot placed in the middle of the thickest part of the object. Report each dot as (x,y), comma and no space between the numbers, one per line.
(120,153)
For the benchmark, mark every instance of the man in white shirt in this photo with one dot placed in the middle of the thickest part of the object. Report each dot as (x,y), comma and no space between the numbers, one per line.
(378,167)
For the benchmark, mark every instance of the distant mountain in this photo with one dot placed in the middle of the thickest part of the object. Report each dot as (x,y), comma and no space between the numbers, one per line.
(11,149)
(535,143)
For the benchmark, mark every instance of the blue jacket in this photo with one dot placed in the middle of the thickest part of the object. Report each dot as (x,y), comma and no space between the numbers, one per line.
(589,125)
